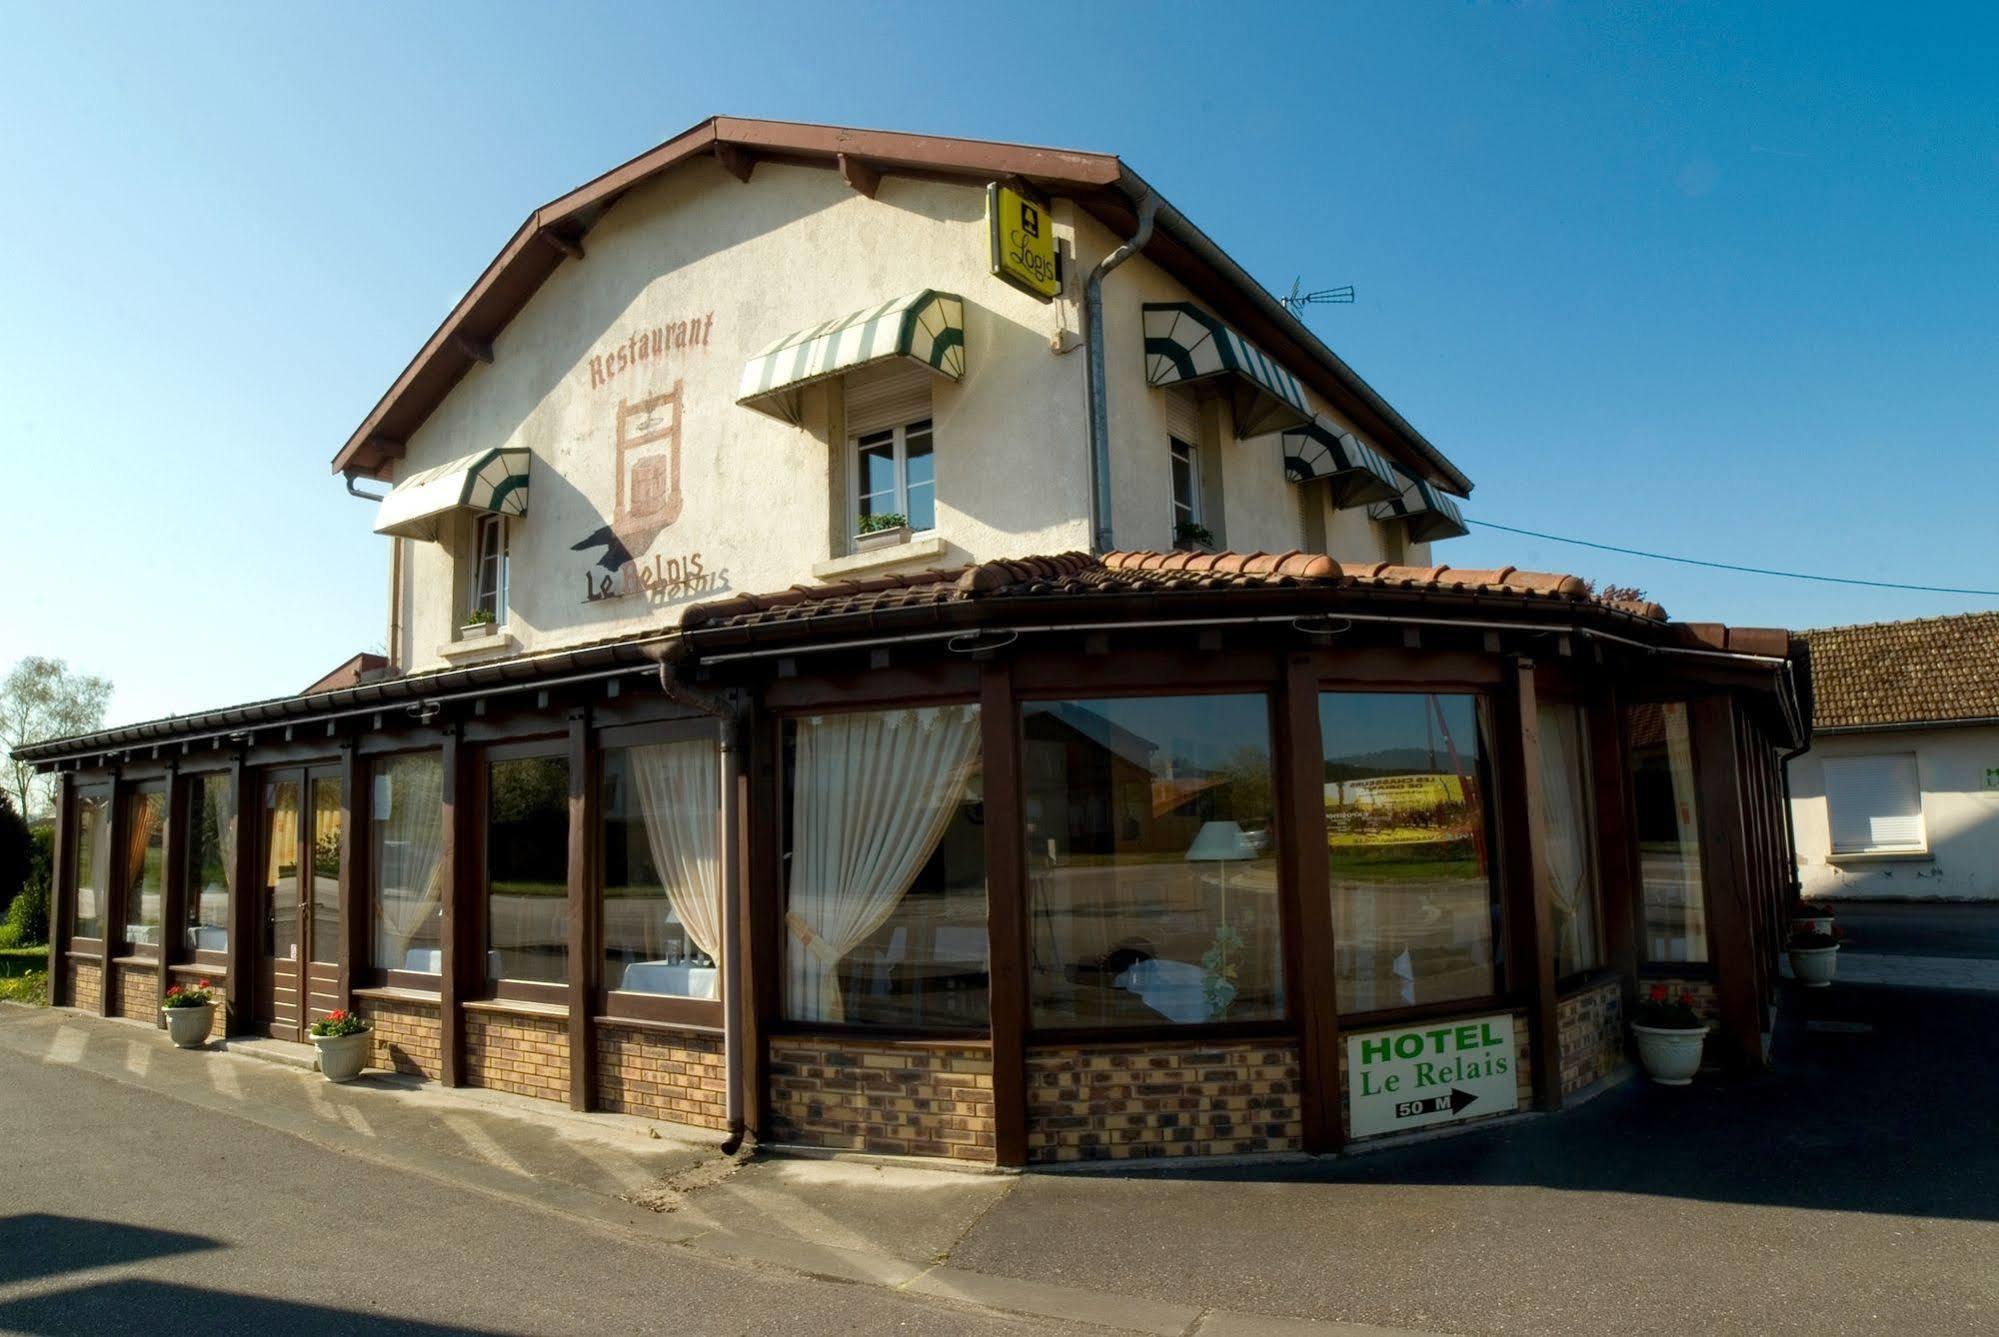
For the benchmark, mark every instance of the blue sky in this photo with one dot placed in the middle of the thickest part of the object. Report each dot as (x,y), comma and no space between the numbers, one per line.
(1699,279)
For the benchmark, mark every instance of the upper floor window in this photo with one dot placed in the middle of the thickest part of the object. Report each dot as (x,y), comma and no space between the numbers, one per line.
(1186,491)
(489,571)
(895,476)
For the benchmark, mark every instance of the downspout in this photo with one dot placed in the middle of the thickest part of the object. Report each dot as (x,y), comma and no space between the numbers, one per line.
(1099,405)
(728,710)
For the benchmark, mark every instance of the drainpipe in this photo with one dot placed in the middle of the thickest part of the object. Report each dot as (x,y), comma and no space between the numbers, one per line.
(1093,337)
(728,710)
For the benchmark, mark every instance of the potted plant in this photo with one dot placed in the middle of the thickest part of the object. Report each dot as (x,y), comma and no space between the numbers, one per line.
(1809,918)
(1670,1035)
(343,1041)
(478,622)
(190,1013)
(1814,958)
(881,531)
(1191,535)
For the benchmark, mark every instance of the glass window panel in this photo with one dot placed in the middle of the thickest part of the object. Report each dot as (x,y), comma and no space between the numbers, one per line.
(145,870)
(210,864)
(885,861)
(922,507)
(527,870)
(1152,863)
(1409,858)
(1665,809)
(406,842)
(1568,815)
(93,864)
(327,834)
(281,871)
(877,474)
(660,805)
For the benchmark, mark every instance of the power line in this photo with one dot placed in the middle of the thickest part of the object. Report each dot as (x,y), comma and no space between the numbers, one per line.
(1731,566)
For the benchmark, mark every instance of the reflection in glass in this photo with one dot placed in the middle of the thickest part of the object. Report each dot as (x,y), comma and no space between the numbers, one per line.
(1152,865)
(327,833)
(145,870)
(1408,856)
(93,863)
(527,870)
(211,860)
(281,870)
(1567,814)
(660,807)
(1668,827)
(406,812)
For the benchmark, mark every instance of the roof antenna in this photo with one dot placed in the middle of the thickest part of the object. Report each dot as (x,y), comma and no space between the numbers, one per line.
(1298,299)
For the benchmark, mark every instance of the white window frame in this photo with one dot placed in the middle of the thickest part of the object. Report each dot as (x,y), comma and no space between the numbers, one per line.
(1188,511)
(1874,844)
(899,435)
(497,563)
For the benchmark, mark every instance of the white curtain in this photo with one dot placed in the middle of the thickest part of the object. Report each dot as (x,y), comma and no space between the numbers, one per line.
(871,798)
(679,793)
(1565,806)
(410,847)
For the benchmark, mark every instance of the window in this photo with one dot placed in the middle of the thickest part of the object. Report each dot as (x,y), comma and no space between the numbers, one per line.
(145,870)
(489,571)
(406,812)
(660,808)
(895,475)
(1186,489)
(327,834)
(1875,805)
(1665,811)
(1409,852)
(1152,868)
(527,870)
(1568,815)
(885,856)
(210,865)
(92,853)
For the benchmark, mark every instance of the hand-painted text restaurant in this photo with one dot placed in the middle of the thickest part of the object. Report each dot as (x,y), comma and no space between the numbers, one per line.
(900,645)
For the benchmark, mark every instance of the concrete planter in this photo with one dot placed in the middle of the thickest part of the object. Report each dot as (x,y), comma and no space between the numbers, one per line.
(881,538)
(188,1027)
(341,1057)
(1671,1056)
(1814,966)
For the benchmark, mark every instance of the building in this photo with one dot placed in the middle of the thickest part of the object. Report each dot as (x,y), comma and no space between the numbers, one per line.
(901,645)
(1899,796)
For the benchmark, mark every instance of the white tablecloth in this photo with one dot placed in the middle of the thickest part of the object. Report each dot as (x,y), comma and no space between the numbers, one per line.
(677,979)
(1170,988)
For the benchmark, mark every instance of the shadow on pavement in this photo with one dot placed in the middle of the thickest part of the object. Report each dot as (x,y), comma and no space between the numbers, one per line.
(35,1245)
(1879,1100)
(110,1307)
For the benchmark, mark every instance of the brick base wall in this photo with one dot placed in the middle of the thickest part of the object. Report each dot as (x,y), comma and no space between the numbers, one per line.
(1099,1102)
(527,1055)
(1591,1026)
(677,1077)
(1523,1070)
(408,1037)
(86,988)
(905,1100)
(138,994)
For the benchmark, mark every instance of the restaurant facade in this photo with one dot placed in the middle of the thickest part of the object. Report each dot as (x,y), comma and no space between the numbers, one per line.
(899,645)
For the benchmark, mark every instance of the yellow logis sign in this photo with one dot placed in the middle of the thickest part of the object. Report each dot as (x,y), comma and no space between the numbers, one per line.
(1023,241)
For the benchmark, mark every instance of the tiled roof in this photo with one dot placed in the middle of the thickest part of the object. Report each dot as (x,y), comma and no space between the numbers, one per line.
(1926,670)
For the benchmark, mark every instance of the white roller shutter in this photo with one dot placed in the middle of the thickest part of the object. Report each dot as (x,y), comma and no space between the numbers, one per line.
(1874,804)
(1183,417)
(893,394)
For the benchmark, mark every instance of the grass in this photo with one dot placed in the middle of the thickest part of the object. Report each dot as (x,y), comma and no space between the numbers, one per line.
(24,975)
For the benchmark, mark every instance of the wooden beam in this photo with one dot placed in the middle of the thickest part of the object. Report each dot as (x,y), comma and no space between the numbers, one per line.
(569,246)
(62,973)
(736,160)
(173,883)
(1530,891)
(583,926)
(860,175)
(1306,908)
(1616,842)
(1006,911)
(454,874)
(111,905)
(352,948)
(245,886)
(479,350)
(1724,871)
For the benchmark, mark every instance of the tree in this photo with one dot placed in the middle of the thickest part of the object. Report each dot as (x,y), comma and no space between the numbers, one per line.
(15,851)
(27,921)
(42,699)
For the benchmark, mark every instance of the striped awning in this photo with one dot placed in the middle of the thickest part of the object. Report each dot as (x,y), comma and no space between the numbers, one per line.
(1184,343)
(495,480)
(1428,513)
(927,327)
(1355,471)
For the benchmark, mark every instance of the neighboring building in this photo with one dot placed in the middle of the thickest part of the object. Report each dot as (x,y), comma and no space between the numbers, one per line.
(842,686)
(1899,796)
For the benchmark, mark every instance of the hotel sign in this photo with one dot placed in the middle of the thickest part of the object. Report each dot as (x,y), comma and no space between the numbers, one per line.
(1437,1073)
(1023,241)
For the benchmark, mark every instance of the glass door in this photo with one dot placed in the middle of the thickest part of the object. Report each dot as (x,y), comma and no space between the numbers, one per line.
(321,916)
(281,986)
(302,834)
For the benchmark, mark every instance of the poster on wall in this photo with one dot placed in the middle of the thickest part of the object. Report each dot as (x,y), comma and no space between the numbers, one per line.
(1440,1072)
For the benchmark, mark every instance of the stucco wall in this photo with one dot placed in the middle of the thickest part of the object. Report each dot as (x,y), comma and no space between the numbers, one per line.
(1959,814)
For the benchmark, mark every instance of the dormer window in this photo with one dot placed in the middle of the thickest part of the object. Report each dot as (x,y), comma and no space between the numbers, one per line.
(489,571)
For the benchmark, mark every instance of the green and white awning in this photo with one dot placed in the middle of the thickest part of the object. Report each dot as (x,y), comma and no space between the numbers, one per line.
(1184,343)
(1354,470)
(927,327)
(1428,513)
(494,480)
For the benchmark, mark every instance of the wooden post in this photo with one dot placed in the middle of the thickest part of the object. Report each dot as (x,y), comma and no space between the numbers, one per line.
(453,873)
(62,975)
(111,905)
(1006,912)
(352,949)
(1617,846)
(245,895)
(173,886)
(1305,906)
(1530,891)
(759,889)
(584,955)
(1731,932)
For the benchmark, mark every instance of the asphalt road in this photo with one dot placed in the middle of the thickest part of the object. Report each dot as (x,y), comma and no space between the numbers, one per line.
(1920,929)
(124,1211)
